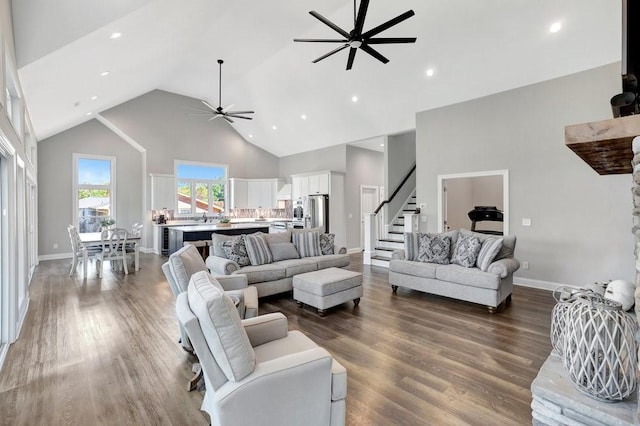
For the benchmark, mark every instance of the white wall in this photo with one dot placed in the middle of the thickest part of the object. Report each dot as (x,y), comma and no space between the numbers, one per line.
(580,221)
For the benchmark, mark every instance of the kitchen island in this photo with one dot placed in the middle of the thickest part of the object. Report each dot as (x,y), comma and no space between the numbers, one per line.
(178,235)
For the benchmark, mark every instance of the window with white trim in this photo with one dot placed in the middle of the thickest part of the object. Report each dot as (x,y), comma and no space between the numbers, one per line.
(201,188)
(94,186)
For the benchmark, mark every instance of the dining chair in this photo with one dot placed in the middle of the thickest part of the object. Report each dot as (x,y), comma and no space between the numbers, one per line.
(133,247)
(79,251)
(113,248)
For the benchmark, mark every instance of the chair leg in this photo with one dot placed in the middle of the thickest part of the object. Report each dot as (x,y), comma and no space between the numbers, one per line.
(74,263)
(99,263)
(124,262)
(137,257)
(85,260)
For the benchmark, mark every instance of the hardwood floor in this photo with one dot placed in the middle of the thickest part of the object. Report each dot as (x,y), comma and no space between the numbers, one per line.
(106,352)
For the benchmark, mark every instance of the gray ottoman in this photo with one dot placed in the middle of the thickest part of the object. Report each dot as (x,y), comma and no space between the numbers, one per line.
(326,288)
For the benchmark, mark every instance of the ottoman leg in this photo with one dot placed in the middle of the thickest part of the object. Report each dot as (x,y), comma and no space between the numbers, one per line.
(321,312)
(394,288)
(299,303)
(356,302)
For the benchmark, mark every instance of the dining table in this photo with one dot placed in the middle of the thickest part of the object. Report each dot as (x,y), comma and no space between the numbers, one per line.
(93,240)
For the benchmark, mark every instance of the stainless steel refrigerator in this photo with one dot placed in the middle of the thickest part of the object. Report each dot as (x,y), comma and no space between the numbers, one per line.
(317,212)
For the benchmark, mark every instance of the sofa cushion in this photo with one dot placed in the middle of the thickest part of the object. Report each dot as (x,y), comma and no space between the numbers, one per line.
(283,251)
(221,327)
(258,250)
(508,243)
(331,261)
(262,273)
(184,263)
(298,266)
(434,248)
(235,249)
(411,242)
(473,277)
(307,244)
(327,243)
(276,237)
(216,244)
(490,249)
(465,252)
(417,269)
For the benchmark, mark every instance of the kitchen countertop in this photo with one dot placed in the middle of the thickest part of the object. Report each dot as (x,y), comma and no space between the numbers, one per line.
(266,221)
(212,227)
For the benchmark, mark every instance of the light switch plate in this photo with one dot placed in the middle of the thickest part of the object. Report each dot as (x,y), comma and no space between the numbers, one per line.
(526,222)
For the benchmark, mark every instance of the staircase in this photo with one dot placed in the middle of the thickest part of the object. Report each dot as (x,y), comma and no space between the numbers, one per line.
(395,236)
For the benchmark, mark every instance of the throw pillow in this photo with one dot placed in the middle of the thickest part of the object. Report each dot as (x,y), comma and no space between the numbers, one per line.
(216,244)
(466,251)
(236,250)
(433,248)
(327,243)
(411,245)
(283,251)
(307,244)
(258,250)
(490,249)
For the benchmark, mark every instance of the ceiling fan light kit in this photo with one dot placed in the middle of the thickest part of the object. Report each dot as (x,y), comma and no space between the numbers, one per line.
(356,39)
(219,111)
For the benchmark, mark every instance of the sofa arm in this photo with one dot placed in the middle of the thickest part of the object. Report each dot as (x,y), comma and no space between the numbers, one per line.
(232,282)
(266,328)
(504,267)
(343,250)
(397,254)
(221,266)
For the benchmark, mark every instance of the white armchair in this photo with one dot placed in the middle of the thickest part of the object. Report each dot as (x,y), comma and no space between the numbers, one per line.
(255,371)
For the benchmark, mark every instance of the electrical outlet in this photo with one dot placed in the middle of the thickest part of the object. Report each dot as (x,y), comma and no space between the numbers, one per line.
(423,218)
(526,222)
(55,246)
(525,265)
(350,216)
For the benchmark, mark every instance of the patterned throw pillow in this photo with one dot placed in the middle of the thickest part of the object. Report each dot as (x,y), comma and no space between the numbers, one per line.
(433,248)
(327,243)
(236,250)
(307,244)
(490,249)
(466,251)
(258,250)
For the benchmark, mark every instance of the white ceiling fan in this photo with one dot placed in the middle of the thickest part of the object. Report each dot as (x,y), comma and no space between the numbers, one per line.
(225,113)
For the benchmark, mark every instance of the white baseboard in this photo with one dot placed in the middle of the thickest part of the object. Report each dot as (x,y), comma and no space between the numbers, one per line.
(543,285)
(354,250)
(22,316)
(55,256)
(4,349)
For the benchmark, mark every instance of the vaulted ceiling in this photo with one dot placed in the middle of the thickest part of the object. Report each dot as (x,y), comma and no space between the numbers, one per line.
(474,47)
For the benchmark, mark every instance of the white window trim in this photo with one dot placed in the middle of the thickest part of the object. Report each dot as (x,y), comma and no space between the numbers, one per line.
(225,181)
(76,187)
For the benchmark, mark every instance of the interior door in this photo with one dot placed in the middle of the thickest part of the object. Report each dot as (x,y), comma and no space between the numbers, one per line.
(369,200)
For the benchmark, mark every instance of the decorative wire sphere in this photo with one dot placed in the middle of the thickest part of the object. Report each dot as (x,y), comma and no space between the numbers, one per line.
(599,352)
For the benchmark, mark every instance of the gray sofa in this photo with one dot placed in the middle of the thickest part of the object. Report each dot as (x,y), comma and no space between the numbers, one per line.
(275,277)
(491,288)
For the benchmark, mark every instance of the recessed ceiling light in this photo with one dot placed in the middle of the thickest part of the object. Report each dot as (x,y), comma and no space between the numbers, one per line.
(430,72)
(88,114)
(250,136)
(381,144)
(115,35)
(104,73)
(354,98)
(555,27)
(93,98)
(304,117)
(274,127)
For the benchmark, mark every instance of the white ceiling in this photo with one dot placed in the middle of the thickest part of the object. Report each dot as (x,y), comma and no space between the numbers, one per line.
(476,48)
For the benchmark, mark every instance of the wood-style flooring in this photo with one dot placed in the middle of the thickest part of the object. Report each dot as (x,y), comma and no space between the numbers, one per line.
(105,352)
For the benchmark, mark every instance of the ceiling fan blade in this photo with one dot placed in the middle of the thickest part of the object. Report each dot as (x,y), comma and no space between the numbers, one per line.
(227,118)
(209,105)
(330,53)
(228,108)
(352,56)
(362,13)
(198,109)
(330,24)
(374,53)
(240,112)
(239,116)
(389,40)
(390,23)
(320,40)
(215,116)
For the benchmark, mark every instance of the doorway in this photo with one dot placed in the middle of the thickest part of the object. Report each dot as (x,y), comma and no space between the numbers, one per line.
(458,194)
(369,201)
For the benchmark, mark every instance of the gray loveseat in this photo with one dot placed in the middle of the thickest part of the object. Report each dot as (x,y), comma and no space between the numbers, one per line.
(492,287)
(277,276)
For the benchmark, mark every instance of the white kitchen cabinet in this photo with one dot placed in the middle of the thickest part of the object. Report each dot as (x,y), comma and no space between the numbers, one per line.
(239,193)
(296,188)
(254,193)
(319,183)
(163,191)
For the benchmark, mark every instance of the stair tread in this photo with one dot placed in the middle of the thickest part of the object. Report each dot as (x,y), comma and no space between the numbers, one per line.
(396,232)
(385,249)
(385,259)
(387,240)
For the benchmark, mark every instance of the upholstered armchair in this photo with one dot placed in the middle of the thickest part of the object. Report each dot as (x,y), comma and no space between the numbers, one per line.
(185,262)
(256,372)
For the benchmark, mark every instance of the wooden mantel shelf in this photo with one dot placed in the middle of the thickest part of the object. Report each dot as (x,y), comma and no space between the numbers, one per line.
(605,145)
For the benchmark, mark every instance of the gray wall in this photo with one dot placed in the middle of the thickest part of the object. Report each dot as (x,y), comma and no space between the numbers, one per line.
(55,181)
(580,221)
(400,151)
(364,167)
(332,158)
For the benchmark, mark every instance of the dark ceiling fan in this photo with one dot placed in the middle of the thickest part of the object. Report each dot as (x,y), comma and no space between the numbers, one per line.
(356,39)
(219,111)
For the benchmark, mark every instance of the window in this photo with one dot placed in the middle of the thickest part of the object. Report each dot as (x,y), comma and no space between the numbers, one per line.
(94,191)
(200,188)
